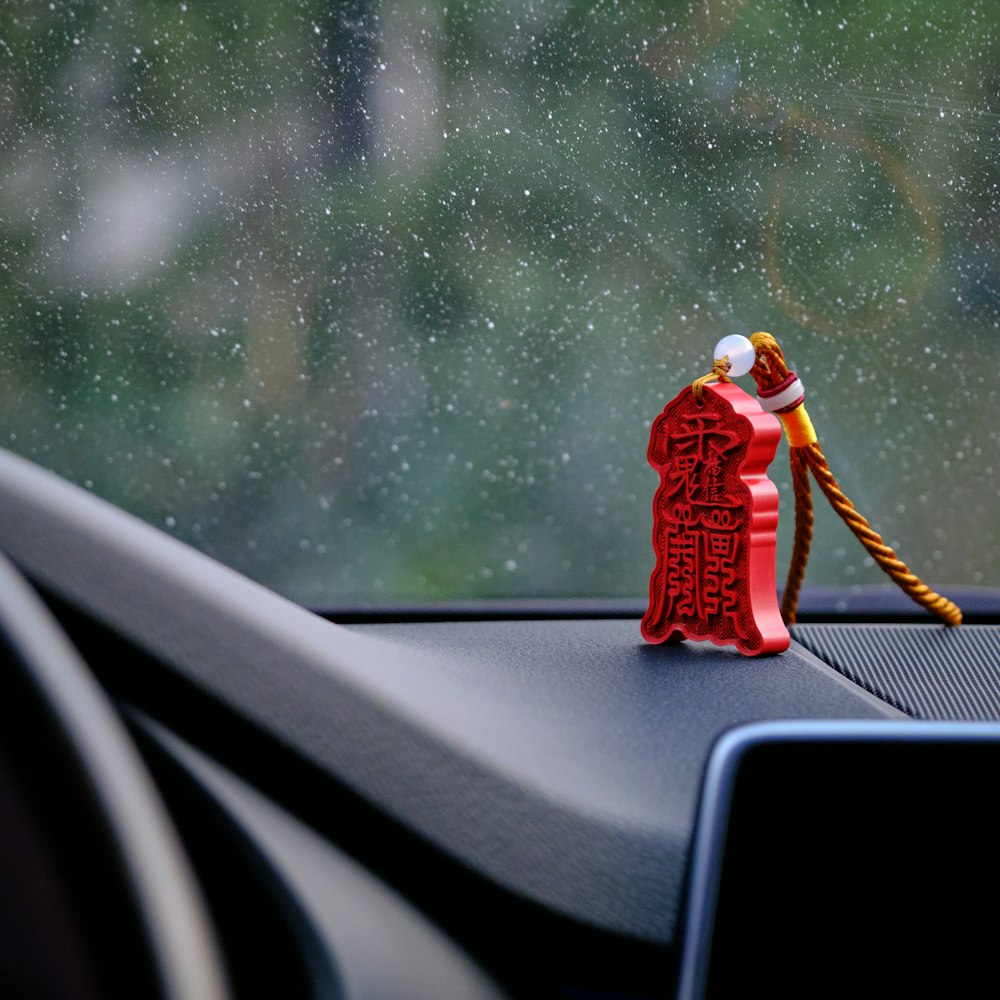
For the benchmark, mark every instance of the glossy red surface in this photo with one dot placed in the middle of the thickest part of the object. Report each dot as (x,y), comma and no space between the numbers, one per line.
(715,519)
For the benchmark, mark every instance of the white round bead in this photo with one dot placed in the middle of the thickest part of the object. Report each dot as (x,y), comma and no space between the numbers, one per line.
(741,352)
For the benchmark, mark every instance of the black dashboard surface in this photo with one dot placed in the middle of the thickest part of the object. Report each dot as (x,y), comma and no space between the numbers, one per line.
(559,760)
(612,735)
(553,763)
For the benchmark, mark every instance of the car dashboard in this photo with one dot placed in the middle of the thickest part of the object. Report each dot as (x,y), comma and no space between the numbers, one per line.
(519,802)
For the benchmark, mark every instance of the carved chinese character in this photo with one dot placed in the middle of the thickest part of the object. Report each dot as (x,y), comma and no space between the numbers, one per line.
(715,517)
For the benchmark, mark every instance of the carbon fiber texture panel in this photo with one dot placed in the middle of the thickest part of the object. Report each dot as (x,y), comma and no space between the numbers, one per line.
(927,671)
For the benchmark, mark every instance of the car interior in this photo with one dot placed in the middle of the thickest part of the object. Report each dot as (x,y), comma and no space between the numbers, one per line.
(333,335)
(466,806)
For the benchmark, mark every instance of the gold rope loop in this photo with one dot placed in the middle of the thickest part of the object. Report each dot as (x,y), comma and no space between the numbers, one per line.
(803,535)
(806,455)
(718,374)
(883,554)
(770,368)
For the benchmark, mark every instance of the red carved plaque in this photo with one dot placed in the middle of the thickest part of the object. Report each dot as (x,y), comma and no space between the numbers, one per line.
(715,518)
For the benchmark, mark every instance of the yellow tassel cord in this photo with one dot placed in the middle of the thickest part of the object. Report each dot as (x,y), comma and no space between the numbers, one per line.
(805,455)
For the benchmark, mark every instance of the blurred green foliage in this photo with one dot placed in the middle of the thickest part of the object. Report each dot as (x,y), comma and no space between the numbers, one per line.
(376,302)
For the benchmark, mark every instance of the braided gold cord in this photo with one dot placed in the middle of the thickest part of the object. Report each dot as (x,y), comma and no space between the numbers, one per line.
(803,535)
(883,554)
(770,368)
(806,454)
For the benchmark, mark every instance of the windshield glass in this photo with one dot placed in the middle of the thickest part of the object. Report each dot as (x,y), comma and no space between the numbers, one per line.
(377,301)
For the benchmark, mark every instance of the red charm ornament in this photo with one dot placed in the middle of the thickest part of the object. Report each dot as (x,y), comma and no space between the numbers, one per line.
(715,520)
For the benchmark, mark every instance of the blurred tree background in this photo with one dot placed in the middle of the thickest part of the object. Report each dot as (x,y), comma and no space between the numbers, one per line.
(376,302)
